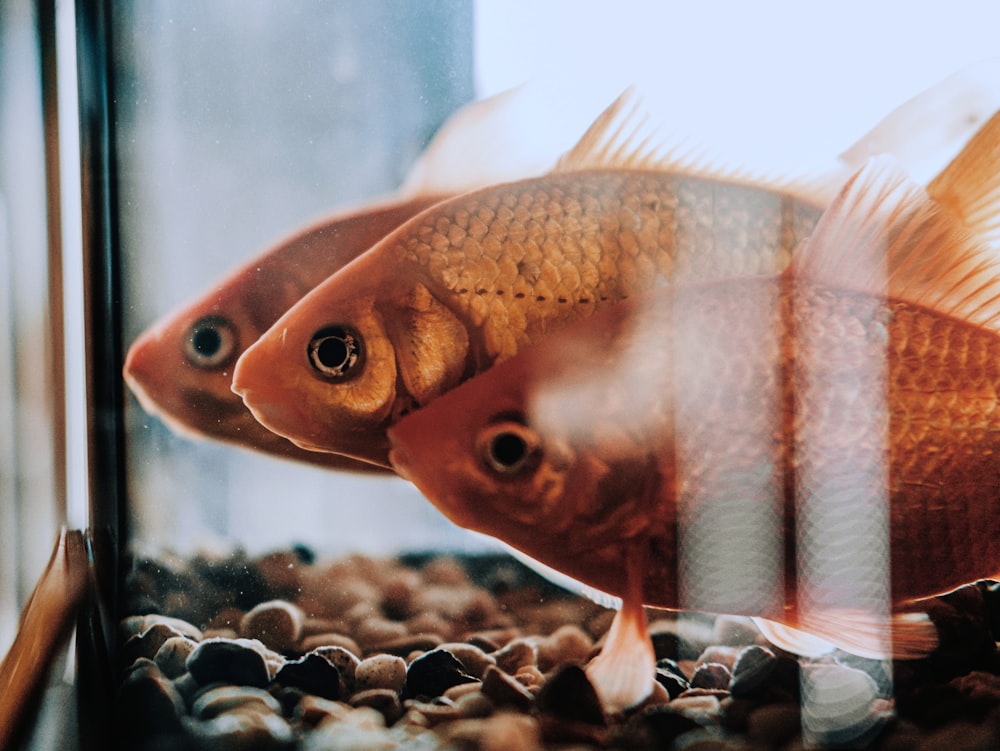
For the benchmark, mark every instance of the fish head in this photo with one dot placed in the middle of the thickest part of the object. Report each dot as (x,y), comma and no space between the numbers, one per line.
(181,368)
(500,456)
(349,359)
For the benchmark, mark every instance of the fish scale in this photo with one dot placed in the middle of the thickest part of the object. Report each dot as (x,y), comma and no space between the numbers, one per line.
(630,228)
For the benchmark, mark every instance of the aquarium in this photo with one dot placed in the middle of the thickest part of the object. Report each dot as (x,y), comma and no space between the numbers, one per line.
(175,177)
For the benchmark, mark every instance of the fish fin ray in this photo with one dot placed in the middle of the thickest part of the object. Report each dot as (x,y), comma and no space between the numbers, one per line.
(623,672)
(622,137)
(970,185)
(884,235)
(903,636)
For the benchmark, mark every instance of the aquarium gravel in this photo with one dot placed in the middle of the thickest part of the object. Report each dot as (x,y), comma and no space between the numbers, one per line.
(285,651)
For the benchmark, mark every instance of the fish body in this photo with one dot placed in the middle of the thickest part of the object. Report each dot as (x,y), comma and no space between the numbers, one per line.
(769,446)
(472,280)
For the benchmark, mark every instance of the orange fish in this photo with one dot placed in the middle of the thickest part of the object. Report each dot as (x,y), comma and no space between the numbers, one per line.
(817,447)
(472,280)
(180,369)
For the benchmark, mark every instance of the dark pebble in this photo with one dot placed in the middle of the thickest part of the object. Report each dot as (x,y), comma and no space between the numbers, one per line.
(569,695)
(229,661)
(433,673)
(773,725)
(505,691)
(656,727)
(148,703)
(673,683)
(711,675)
(313,674)
(346,663)
(754,665)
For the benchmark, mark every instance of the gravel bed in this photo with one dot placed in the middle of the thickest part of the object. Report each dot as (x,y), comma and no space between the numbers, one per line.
(435,652)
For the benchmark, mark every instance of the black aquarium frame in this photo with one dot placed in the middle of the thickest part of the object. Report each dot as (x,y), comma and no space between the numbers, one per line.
(102,295)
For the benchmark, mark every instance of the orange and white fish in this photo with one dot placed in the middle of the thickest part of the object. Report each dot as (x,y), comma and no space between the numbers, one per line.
(472,280)
(808,447)
(180,369)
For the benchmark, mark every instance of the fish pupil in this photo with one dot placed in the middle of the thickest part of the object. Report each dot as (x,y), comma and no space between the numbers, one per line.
(334,351)
(206,341)
(508,450)
(211,342)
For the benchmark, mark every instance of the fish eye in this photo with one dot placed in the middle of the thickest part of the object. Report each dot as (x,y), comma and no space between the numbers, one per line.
(509,447)
(335,352)
(210,343)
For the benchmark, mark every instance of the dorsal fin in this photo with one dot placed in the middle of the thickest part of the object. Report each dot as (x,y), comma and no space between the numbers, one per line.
(884,235)
(623,137)
(969,186)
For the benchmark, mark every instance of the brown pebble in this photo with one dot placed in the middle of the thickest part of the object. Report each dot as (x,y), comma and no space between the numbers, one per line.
(136,624)
(276,623)
(505,691)
(700,708)
(473,704)
(282,571)
(530,676)
(493,639)
(711,675)
(406,644)
(383,700)
(515,655)
(172,655)
(215,701)
(398,592)
(221,633)
(380,671)
(429,623)
(148,643)
(568,643)
(455,693)
(473,659)
(227,618)
(503,731)
(434,712)
(319,641)
(312,710)
(445,570)
(376,630)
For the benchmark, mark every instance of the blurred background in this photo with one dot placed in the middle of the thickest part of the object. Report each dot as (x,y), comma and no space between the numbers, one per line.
(238,122)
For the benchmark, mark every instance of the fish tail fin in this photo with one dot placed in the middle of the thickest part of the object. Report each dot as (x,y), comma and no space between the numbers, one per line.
(903,636)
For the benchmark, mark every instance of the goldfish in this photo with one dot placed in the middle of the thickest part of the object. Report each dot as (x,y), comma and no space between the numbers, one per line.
(472,280)
(807,447)
(180,369)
